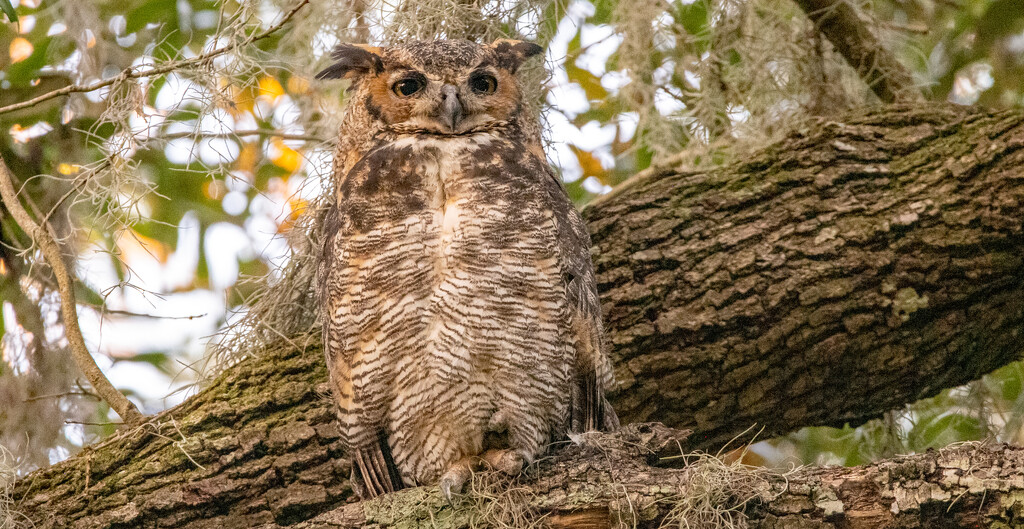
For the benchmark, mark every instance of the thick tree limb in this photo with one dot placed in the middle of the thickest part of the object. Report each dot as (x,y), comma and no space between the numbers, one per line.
(853,39)
(839,274)
(842,273)
(972,485)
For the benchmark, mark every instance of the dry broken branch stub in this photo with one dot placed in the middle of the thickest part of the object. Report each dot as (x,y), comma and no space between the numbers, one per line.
(850,269)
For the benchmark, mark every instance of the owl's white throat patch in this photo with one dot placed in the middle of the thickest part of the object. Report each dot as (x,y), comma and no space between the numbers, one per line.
(452,145)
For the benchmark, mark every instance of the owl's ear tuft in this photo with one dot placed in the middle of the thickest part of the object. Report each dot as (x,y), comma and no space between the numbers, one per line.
(512,53)
(353,61)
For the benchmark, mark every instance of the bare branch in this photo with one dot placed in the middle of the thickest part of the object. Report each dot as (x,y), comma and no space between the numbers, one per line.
(883,73)
(65,285)
(170,66)
(234,134)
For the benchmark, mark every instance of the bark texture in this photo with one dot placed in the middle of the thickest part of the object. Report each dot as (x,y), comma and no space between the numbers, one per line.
(627,481)
(842,273)
(838,274)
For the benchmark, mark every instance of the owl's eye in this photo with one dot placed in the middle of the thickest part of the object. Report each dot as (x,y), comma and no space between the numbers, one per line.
(483,83)
(407,87)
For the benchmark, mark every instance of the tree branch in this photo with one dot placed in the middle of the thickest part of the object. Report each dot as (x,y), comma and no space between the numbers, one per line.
(170,66)
(846,271)
(240,133)
(65,285)
(972,485)
(842,26)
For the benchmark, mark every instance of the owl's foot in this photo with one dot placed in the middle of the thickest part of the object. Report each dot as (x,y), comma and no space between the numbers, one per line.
(506,461)
(455,478)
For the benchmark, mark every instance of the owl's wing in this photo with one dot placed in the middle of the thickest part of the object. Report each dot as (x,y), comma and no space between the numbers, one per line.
(373,469)
(589,409)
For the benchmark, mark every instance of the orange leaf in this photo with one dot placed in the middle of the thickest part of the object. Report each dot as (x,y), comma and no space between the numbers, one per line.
(298,85)
(135,244)
(21,49)
(247,158)
(589,163)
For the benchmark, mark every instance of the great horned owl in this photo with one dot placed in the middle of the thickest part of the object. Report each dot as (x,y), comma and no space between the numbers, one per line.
(460,315)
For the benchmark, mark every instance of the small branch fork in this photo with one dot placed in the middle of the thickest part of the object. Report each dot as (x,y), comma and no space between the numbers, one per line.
(41,235)
(170,66)
(839,22)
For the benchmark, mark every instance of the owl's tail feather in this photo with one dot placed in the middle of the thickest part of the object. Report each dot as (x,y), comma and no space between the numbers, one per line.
(374,470)
(591,410)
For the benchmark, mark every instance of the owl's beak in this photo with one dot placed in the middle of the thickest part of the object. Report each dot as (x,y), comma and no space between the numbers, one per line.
(451,106)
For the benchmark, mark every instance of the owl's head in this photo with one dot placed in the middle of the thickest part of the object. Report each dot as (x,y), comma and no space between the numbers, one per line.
(445,87)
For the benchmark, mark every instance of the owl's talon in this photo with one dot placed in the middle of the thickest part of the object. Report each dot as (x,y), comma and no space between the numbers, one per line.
(450,489)
(454,480)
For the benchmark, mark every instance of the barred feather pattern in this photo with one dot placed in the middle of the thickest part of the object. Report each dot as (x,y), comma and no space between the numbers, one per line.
(459,304)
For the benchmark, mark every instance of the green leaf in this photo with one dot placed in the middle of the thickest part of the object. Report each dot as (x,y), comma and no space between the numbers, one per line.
(157,359)
(9,10)
(693,17)
(603,11)
(945,429)
(88,296)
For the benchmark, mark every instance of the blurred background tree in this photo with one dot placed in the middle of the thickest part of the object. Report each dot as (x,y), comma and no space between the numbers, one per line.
(185,190)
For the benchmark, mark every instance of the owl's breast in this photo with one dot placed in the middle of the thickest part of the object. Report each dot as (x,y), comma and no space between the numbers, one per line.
(453,246)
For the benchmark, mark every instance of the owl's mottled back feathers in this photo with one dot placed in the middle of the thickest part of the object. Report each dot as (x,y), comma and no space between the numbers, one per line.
(460,313)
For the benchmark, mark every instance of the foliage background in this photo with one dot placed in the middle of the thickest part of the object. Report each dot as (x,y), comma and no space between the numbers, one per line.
(187,201)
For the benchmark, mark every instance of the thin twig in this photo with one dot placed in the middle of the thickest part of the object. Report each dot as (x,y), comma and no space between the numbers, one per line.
(89,394)
(41,235)
(229,135)
(105,311)
(170,66)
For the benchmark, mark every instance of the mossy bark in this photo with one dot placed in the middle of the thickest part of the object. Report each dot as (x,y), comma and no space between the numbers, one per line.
(848,270)
(619,481)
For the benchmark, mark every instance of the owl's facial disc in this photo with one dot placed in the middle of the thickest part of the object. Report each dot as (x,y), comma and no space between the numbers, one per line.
(471,100)
(444,87)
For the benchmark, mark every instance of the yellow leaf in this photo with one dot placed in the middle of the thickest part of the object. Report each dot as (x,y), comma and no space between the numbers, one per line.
(21,49)
(68,169)
(590,83)
(270,88)
(297,206)
(284,156)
